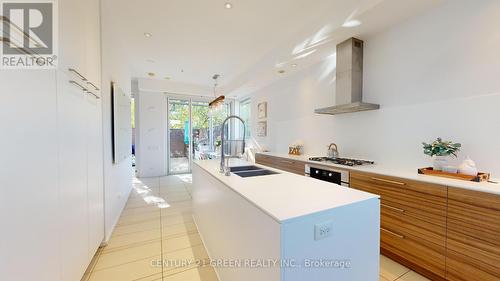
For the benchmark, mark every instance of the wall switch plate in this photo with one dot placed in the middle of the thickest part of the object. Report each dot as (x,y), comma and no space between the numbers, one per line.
(323,230)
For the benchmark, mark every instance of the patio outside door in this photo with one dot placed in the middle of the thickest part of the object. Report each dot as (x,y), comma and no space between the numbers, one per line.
(193,132)
(178,136)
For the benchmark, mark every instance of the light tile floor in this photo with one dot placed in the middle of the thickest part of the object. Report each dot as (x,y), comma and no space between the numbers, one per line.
(156,223)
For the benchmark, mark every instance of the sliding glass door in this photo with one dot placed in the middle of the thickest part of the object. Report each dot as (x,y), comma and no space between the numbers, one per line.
(178,136)
(193,132)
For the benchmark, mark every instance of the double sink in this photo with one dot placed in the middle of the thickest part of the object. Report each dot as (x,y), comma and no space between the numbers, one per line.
(251,171)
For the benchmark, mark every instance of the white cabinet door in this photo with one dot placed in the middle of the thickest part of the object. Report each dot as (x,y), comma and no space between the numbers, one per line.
(95,185)
(72,139)
(92,52)
(71,36)
(29,213)
(92,44)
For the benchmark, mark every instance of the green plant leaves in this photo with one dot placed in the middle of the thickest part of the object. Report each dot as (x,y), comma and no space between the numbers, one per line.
(441,148)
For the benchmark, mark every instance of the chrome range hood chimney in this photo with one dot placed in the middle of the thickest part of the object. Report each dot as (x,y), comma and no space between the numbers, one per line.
(349,81)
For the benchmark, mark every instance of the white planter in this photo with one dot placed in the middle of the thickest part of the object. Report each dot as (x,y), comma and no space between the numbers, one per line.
(440,162)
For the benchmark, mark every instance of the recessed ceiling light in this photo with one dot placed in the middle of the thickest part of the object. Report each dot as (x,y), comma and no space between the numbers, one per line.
(281,71)
(351,23)
(280,64)
(294,65)
(228,5)
(147,34)
(151,74)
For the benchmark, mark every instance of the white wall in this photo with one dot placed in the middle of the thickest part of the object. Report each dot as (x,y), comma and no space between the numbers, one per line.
(167,86)
(151,124)
(117,177)
(435,75)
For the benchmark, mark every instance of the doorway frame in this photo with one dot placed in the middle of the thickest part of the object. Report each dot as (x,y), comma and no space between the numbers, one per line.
(190,99)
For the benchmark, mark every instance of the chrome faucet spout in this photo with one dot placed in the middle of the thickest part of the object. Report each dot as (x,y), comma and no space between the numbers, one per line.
(223,167)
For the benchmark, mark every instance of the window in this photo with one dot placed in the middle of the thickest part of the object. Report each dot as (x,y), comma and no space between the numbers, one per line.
(245,114)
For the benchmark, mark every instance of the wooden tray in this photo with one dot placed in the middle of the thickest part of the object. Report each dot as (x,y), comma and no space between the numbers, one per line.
(430,171)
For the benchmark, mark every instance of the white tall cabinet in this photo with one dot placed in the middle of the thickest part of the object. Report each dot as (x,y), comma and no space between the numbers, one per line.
(80,135)
(51,200)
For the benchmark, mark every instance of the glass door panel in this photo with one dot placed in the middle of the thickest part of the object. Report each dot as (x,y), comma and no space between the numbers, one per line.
(193,132)
(216,119)
(179,136)
(200,120)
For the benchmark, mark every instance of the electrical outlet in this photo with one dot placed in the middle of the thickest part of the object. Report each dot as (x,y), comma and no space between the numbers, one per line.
(323,230)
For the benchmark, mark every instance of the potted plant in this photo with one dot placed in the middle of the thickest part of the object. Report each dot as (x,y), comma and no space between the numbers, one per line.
(441,151)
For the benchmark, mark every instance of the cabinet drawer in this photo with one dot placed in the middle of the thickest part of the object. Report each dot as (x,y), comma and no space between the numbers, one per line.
(408,186)
(405,244)
(459,267)
(265,160)
(285,164)
(422,201)
(291,166)
(416,241)
(400,220)
(473,235)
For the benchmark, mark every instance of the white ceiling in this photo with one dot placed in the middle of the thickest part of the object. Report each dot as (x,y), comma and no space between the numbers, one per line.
(193,39)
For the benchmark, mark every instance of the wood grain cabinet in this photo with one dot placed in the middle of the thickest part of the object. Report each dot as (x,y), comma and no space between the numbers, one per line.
(413,221)
(285,164)
(442,233)
(473,236)
(265,160)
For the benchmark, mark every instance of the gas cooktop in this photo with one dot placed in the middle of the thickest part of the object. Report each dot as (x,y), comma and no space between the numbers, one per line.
(342,161)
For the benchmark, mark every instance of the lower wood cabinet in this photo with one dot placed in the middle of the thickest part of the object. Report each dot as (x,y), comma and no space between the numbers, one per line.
(473,236)
(285,164)
(442,233)
(265,160)
(413,221)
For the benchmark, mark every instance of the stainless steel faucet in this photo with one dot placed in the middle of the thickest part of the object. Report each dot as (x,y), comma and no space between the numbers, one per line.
(224,168)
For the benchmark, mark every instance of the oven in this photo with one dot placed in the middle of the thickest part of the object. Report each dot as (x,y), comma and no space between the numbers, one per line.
(329,174)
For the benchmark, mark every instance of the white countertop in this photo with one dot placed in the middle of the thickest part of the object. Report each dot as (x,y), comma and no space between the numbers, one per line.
(286,196)
(404,173)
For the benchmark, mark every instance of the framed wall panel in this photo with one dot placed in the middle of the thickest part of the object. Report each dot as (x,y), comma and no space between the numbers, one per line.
(122,126)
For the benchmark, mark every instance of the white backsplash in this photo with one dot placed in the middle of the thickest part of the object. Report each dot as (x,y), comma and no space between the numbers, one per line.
(430,83)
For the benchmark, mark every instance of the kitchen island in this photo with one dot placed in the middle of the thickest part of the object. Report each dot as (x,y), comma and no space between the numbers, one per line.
(285,227)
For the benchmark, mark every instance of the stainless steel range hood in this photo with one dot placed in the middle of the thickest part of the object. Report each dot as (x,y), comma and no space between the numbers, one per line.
(349,81)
